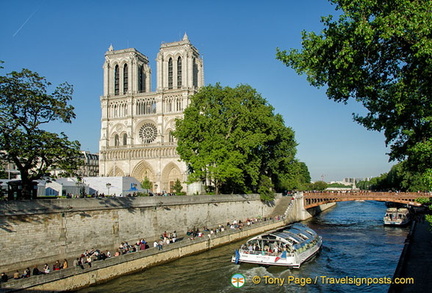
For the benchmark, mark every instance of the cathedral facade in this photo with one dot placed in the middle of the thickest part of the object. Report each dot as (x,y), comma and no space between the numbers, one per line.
(137,123)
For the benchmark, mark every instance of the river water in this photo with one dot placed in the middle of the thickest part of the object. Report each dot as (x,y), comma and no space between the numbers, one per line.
(355,245)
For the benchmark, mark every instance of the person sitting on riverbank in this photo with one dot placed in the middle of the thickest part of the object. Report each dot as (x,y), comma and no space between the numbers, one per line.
(36,271)
(77,263)
(4,277)
(142,244)
(89,261)
(26,273)
(46,269)
(56,266)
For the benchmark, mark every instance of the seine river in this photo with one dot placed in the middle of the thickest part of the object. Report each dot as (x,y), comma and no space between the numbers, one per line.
(355,245)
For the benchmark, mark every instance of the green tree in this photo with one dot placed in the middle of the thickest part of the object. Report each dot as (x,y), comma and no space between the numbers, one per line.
(319,185)
(25,107)
(378,53)
(146,184)
(399,178)
(177,186)
(265,189)
(363,185)
(298,178)
(232,138)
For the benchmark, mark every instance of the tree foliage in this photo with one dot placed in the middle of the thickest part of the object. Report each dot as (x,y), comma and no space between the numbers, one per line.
(146,184)
(319,185)
(25,107)
(177,186)
(399,178)
(231,139)
(298,178)
(378,53)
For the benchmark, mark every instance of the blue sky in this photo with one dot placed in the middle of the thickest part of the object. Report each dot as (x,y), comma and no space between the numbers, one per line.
(67,40)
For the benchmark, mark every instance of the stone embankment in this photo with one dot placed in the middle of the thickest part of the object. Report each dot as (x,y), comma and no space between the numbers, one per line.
(413,271)
(37,232)
(75,277)
(43,231)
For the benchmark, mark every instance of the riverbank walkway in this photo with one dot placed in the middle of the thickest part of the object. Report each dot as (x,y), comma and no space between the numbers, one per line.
(416,260)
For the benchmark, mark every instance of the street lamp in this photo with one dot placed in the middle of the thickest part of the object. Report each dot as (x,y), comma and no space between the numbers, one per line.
(108,185)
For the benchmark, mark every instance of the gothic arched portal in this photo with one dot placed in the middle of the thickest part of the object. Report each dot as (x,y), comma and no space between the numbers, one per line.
(116,172)
(143,170)
(170,174)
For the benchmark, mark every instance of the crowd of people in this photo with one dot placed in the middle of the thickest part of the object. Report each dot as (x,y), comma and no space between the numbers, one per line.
(36,271)
(89,256)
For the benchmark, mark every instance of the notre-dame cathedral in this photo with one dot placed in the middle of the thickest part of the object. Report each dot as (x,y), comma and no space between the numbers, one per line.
(137,123)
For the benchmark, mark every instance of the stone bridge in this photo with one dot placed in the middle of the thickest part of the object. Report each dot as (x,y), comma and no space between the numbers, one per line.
(313,199)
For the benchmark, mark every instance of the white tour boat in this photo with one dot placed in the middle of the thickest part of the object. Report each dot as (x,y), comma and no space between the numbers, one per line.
(290,246)
(397,217)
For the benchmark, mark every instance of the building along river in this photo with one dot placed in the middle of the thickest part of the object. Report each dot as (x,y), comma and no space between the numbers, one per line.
(355,245)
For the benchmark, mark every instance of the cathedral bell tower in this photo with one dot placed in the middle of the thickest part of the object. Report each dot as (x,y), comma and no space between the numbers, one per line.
(136,125)
(179,66)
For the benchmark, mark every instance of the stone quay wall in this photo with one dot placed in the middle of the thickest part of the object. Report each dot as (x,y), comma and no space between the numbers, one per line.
(75,278)
(43,231)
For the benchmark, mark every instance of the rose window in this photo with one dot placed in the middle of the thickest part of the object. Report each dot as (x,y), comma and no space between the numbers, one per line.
(148,132)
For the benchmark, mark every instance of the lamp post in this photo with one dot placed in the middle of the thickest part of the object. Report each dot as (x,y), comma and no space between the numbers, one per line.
(108,185)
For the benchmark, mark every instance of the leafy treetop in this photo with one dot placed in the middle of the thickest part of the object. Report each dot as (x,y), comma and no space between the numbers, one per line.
(378,53)
(25,107)
(231,138)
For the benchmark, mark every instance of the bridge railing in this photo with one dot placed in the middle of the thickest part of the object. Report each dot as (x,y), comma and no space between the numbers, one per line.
(316,198)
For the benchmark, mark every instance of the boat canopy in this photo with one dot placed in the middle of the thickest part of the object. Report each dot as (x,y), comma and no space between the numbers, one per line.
(296,237)
(287,235)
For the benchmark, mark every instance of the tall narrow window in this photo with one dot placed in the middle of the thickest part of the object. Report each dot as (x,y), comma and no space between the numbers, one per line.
(116,140)
(169,105)
(170,137)
(179,72)
(116,80)
(195,73)
(125,109)
(115,114)
(125,79)
(141,79)
(170,74)
(179,104)
(125,139)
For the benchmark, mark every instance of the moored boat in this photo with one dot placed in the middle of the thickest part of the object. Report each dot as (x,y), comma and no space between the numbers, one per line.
(290,246)
(397,217)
